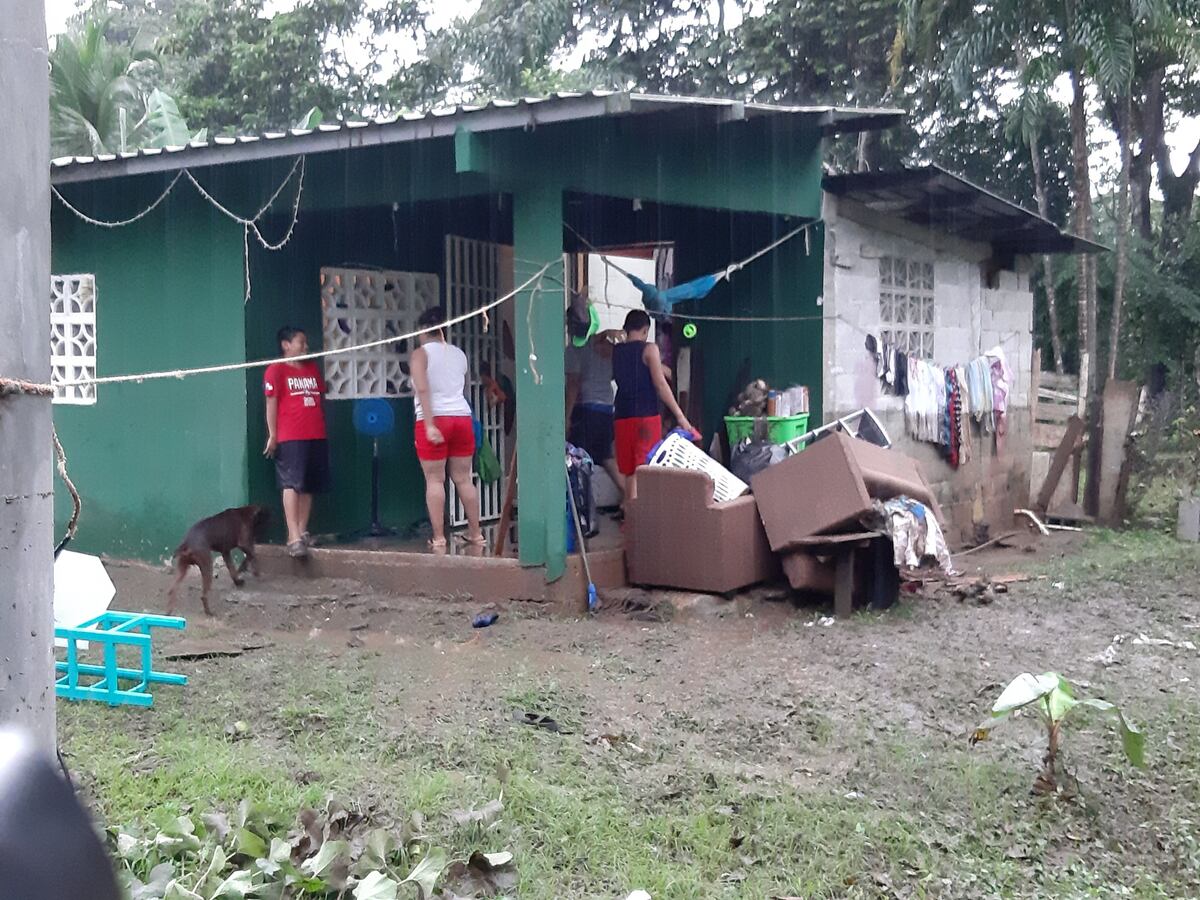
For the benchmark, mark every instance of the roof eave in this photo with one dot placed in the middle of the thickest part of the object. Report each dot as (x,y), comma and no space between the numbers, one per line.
(495,116)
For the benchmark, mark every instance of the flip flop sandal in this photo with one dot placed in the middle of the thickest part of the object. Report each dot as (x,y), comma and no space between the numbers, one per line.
(436,545)
(481,542)
(537,720)
(297,550)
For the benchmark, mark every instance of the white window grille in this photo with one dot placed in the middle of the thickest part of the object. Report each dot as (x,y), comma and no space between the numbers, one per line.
(363,305)
(73,337)
(906,311)
(475,276)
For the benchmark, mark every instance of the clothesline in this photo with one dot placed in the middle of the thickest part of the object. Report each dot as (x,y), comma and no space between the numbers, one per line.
(532,281)
(249,225)
(661,301)
(940,401)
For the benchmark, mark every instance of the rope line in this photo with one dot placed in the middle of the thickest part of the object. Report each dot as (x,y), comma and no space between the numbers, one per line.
(76,503)
(17,386)
(320,354)
(730,269)
(122,222)
(248,225)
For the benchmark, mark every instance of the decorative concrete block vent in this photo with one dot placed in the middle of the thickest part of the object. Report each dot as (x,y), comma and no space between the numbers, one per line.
(363,305)
(73,337)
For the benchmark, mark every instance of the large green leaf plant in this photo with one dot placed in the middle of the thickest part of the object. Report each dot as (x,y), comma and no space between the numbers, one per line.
(1051,698)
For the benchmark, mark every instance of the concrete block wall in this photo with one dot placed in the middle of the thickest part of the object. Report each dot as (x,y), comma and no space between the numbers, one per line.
(970,319)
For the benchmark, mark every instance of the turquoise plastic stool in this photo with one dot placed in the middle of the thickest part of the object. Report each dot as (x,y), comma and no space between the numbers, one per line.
(112,631)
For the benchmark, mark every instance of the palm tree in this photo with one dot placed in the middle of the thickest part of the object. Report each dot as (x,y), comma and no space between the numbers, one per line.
(1090,42)
(104,97)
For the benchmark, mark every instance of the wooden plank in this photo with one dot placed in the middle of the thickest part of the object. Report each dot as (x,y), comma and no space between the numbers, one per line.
(1046,393)
(510,498)
(1035,382)
(829,540)
(1047,437)
(1060,382)
(1058,465)
(1120,402)
(1054,412)
(843,590)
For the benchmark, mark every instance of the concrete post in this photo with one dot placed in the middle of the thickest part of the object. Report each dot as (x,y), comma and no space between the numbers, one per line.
(26,485)
(541,429)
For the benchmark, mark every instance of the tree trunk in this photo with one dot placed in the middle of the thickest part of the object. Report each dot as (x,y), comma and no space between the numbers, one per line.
(1043,204)
(1123,124)
(1179,195)
(1086,296)
(1145,122)
(1084,227)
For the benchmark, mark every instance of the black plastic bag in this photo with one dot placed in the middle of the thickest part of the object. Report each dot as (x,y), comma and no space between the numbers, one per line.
(751,457)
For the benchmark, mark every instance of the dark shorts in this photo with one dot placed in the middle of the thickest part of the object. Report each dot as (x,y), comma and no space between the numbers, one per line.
(302,466)
(592,431)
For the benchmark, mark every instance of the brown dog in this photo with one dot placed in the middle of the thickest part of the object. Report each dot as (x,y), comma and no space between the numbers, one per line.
(233,528)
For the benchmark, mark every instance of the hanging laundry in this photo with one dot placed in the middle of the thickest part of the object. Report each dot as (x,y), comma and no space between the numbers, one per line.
(979,381)
(949,424)
(1001,377)
(901,374)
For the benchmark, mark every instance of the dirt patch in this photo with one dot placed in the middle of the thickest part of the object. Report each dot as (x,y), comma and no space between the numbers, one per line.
(871,713)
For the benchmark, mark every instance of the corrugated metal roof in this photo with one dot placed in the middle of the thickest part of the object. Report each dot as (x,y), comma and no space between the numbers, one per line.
(933,197)
(496,115)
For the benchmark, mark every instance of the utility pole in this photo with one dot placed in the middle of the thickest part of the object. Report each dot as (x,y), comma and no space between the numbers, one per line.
(26,448)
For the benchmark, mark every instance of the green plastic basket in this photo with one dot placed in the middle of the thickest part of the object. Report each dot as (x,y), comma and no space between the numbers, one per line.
(780,429)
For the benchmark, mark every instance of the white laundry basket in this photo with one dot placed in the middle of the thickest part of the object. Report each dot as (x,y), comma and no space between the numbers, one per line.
(676,452)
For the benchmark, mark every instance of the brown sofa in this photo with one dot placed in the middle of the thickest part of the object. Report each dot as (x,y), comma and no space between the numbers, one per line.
(828,487)
(676,536)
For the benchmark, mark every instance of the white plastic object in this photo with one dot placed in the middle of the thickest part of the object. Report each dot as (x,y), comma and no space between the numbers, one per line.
(676,452)
(82,591)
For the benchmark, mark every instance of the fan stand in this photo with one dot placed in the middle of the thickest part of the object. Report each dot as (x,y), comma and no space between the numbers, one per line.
(373,418)
(376,530)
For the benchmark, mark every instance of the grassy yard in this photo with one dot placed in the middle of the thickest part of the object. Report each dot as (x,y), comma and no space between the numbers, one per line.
(754,755)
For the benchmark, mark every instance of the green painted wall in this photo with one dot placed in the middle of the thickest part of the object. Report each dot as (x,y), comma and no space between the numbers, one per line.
(286,291)
(150,459)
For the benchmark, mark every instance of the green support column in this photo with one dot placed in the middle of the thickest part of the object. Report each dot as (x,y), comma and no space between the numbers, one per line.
(541,429)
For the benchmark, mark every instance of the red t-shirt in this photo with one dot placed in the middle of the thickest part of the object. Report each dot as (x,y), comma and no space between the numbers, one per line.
(299,389)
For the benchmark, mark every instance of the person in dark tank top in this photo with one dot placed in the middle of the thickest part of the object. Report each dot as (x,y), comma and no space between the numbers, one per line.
(641,383)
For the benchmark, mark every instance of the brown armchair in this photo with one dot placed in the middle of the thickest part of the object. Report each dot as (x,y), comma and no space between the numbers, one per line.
(676,536)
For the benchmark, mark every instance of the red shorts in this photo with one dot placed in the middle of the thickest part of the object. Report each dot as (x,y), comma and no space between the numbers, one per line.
(458,433)
(634,439)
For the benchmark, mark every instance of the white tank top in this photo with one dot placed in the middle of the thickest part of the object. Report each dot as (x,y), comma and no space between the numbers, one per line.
(447,374)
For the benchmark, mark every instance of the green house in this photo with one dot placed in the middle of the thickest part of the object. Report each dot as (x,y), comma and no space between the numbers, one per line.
(194,256)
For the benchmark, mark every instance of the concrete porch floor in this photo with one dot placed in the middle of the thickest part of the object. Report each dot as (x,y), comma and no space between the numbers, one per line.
(410,567)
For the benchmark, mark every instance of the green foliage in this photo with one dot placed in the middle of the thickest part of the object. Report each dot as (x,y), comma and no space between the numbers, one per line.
(239,66)
(326,855)
(104,95)
(1052,699)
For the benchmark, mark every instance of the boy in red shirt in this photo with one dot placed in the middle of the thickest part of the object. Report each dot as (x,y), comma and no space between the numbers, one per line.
(296,435)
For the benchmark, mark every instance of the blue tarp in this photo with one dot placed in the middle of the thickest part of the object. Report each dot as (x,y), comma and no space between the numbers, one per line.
(659,301)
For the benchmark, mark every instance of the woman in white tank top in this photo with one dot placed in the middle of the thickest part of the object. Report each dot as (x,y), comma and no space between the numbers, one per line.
(445,433)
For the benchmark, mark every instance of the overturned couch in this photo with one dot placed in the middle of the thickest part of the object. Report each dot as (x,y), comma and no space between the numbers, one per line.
(678,536)
(806,515)
(813,506)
